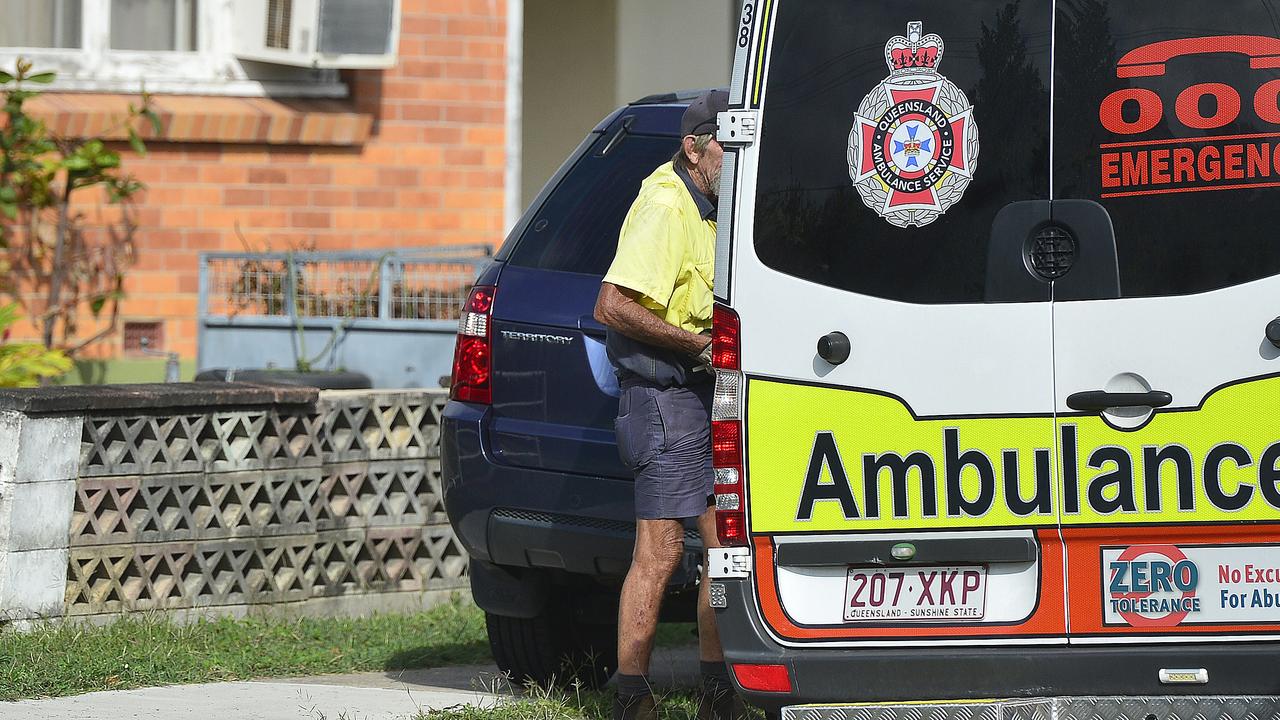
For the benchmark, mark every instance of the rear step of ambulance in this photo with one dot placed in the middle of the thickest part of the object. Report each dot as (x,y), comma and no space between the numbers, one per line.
(1065,708)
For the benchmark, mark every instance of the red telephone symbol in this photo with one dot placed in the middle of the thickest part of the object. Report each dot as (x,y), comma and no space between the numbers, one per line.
(1150,61)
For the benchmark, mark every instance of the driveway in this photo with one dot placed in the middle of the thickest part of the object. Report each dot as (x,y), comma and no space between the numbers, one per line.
(361,696)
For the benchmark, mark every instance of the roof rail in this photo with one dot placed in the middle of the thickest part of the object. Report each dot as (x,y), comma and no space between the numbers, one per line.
(682,97)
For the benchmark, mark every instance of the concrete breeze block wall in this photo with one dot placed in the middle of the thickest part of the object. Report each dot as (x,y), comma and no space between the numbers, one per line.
(39,460)
(221,498)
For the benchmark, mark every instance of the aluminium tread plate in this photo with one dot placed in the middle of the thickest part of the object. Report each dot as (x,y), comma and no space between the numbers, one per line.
(1064,708)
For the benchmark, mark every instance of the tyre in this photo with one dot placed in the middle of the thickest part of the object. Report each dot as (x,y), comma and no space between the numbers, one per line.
(552,648)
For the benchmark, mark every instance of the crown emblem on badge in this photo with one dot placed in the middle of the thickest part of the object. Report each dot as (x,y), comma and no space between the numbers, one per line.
(913,53)
(913,147)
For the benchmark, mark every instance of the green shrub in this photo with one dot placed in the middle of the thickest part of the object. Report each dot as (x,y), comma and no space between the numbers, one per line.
(25,364)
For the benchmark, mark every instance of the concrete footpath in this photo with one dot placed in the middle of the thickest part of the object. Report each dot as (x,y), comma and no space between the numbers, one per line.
(397,695)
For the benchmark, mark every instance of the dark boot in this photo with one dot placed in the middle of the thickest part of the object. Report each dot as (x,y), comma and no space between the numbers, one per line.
(634,707)
(720,702)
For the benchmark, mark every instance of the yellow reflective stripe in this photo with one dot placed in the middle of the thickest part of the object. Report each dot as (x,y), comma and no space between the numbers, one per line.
(764,40)
(824,459)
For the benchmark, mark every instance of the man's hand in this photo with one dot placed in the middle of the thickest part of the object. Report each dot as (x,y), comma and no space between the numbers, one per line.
(617,308)
(704,357)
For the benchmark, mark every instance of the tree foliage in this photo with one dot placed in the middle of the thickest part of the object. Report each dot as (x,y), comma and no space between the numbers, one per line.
(26,364)
(52,263)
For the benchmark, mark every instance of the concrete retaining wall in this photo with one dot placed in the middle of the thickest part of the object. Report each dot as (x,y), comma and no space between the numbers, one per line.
(221,498)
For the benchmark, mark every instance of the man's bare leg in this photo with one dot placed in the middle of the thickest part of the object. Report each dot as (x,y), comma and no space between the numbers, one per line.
(659,547)
(719,701)
(709,649)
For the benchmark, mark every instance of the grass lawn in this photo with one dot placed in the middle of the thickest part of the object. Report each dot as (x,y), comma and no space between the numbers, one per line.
(147,650)
(574,703)
(571,704)
(72,658)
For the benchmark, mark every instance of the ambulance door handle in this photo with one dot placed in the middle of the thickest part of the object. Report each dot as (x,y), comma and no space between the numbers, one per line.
(1093,400)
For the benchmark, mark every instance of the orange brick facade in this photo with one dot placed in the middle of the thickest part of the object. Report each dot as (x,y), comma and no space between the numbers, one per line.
(415,157)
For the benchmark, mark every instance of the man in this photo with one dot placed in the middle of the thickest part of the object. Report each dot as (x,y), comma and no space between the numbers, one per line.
(656,302)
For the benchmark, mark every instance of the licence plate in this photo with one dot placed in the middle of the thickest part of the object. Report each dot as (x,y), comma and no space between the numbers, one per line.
(915,594)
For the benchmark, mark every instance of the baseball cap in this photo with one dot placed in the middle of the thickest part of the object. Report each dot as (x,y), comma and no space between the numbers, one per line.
(700,117)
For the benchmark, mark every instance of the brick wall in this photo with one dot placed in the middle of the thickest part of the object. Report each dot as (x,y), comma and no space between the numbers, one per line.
(415,157)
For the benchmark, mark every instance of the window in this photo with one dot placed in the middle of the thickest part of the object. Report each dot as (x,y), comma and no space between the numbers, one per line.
(40,23)
(827,56)
(576,230)
(153,25)
(171,46)
(1194,194)
(143,338)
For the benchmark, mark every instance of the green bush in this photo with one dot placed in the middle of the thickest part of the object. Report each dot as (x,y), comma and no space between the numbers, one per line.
(26,364)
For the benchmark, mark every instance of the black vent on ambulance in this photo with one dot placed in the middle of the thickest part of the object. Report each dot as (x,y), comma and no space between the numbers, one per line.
(1052,252)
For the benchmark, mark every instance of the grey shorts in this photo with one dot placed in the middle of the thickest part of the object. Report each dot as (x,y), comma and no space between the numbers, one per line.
(664,437)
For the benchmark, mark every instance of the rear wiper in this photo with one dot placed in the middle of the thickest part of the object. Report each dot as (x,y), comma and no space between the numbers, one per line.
(614,140)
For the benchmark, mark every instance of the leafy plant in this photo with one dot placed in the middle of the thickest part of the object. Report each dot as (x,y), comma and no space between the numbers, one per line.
(26,364)
(49,258)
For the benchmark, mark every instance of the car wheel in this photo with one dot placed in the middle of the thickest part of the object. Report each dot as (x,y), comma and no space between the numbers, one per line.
(552,649)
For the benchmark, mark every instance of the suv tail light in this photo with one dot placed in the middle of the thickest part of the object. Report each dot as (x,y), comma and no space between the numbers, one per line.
(472,357)
(726,429)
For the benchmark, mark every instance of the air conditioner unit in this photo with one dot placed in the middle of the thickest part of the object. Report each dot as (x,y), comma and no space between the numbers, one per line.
(318,33)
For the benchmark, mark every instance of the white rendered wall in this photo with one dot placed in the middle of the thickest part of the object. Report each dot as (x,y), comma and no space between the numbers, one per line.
(569,78)
(666,45)
(583,58)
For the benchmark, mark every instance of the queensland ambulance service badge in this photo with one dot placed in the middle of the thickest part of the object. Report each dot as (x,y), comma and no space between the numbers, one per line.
(914,145)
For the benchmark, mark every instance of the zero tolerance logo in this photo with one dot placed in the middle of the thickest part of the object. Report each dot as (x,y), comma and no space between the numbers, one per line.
(1152,586)
(914,145)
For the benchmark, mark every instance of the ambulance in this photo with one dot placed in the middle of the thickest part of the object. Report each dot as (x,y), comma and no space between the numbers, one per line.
(996,428)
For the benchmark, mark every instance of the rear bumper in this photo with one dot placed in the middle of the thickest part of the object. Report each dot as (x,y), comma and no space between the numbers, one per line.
(528,518)
(879,674)
(1062,708)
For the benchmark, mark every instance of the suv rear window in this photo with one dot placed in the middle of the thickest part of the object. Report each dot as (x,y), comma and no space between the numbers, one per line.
(827,56)
(576,230)
(1182,152)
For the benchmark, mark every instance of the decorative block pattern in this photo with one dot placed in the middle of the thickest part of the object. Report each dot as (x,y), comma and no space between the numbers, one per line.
(195,506)
(381,493)
(167,576)
(218,442)
(364,425)
(261,505)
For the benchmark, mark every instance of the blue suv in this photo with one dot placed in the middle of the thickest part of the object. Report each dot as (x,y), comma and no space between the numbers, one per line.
(532,480)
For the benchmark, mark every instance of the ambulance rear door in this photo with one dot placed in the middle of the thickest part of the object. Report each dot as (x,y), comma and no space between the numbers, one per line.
(1167,152)
(903,494)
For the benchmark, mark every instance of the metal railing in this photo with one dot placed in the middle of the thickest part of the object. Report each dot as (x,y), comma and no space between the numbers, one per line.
(390,315)
(427,284)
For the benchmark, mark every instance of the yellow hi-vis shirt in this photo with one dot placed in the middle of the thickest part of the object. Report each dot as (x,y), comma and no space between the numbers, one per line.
(666,252)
